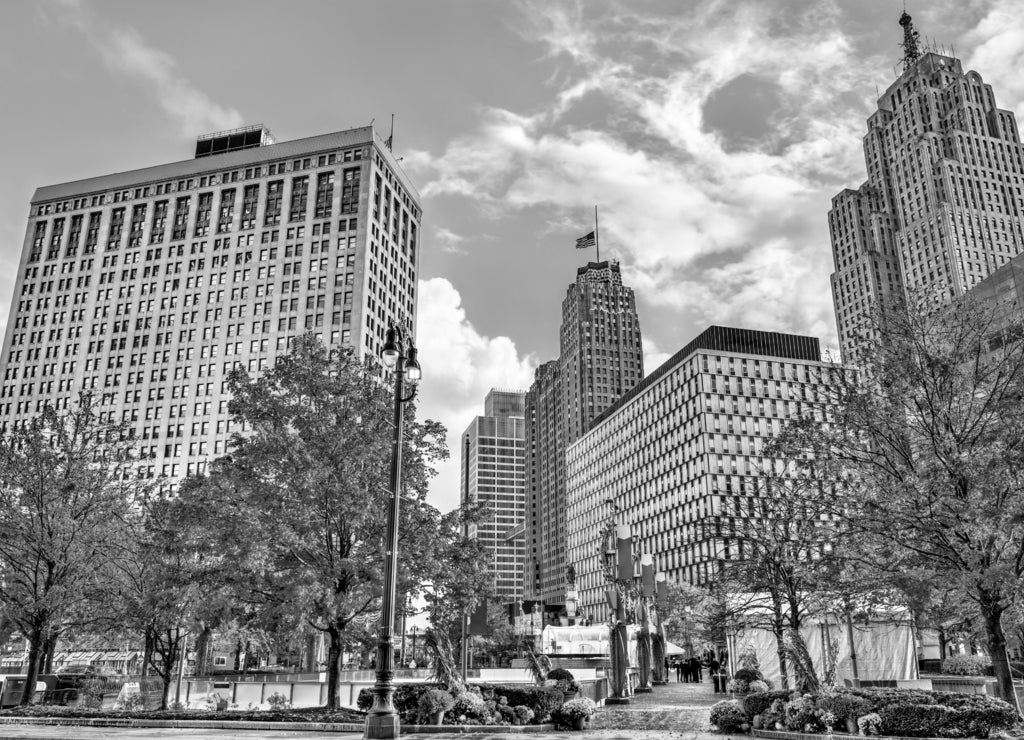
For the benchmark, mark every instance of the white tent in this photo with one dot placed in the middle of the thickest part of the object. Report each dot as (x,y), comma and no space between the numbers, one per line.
(885,647)
(672,649)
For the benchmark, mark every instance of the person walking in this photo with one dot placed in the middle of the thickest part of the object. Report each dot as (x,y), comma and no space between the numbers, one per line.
(716,676)
(679,671)
(695,674)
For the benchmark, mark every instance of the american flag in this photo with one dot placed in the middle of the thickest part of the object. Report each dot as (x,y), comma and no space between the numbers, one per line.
(585,241)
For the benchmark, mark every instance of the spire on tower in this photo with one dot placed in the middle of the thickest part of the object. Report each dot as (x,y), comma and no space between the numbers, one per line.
(911,37)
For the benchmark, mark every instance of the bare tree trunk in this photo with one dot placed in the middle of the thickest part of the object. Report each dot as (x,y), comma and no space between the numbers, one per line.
(35,644)
(203,644)
(778,629)
(334,669)
(147,653)
(992,613)
(309,665)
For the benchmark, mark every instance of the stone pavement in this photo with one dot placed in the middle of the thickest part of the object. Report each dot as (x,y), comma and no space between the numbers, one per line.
(676,711)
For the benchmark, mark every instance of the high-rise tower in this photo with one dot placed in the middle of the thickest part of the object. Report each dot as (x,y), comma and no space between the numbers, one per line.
(600,359)
(493,474)
(147,287)
(943,206)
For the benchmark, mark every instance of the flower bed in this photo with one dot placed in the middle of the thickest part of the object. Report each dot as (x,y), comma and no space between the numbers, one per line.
(482,704)
(896,712)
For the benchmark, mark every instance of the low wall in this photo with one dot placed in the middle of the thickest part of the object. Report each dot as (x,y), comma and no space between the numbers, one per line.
(202,693)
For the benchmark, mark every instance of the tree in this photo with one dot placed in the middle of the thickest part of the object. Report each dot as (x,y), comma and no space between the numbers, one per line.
(66,486)
(928,438)
(296,512)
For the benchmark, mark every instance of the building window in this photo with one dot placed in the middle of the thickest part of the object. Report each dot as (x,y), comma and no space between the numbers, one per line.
(181,209)
(300,195)
(156,231)
(324,194)
(137,223)
(202,227)
(116,227)
(272,211)
(350,190)
(250,196)
(227,210)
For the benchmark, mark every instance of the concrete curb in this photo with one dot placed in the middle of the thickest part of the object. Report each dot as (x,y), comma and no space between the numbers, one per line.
(201,724)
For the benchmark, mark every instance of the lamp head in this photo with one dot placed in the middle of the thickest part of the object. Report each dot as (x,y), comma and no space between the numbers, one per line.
(390,353)
(413,373)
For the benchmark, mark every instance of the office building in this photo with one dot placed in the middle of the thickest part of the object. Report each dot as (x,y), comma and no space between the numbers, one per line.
(600,359)
(943,205)
(685,441)
(147,287)
(494,476)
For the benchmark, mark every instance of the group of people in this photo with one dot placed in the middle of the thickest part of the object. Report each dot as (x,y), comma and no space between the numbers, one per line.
(690,670)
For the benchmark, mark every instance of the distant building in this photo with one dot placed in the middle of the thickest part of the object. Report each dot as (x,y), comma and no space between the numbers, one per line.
(600,359)
(494,475)
(667,454)
(147,287)
(943,205)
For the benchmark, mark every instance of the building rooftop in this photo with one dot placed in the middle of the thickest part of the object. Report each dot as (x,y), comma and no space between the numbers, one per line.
(728,339)
(241,157)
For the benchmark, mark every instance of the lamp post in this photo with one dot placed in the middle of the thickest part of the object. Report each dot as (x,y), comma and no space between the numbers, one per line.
(382,721)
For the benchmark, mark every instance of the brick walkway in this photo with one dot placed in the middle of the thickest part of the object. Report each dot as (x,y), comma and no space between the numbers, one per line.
(679,707)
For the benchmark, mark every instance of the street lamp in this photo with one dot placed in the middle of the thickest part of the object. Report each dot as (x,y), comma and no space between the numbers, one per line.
(382,721)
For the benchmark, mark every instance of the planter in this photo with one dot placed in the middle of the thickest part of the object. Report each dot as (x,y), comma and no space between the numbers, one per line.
(756,722)
(437,717)
(851,726)
(579,723)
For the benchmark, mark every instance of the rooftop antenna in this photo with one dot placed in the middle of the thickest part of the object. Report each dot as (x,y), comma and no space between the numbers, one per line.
(391,137)
(911,39)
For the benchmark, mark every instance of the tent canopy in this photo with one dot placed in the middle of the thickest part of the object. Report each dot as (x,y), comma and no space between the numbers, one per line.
(672,649)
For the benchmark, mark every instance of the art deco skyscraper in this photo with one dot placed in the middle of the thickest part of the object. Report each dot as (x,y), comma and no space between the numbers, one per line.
(493,474)
(943,206)
(147,287)
(600,359)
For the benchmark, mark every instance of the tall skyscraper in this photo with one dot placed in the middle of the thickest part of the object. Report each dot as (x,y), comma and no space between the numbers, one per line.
(600,359)
(943,206)
(494,475)
(147,287)
(677,454)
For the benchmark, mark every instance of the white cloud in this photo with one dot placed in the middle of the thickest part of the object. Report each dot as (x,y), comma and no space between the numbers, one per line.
(459,367)
(997,53)
(683,211)
(449,241)
(125,51)
(653,357)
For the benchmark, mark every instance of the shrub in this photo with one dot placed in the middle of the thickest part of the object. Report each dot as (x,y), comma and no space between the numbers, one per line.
(560,674)
(869,724)
(748,675)
(915,720)
(737,686)
(728,716)
(433,701)
(572,710)
(541,700)
(469,708)
(760,702)
(773,715)
(406,699)
(758,687)
(967,665)
(801,715)
(279,702)
(523,715)
(844,706)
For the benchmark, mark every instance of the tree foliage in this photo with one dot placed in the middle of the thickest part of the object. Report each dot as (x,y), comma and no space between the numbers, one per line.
(928,439)
(295,515)
(66,488)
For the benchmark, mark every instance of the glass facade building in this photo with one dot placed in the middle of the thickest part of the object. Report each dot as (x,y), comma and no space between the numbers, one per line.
(667,455)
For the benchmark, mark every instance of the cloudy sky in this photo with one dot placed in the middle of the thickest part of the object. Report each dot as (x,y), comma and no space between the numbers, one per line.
(712,136)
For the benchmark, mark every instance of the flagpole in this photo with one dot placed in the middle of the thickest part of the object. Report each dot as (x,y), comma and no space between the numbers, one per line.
(597,236)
